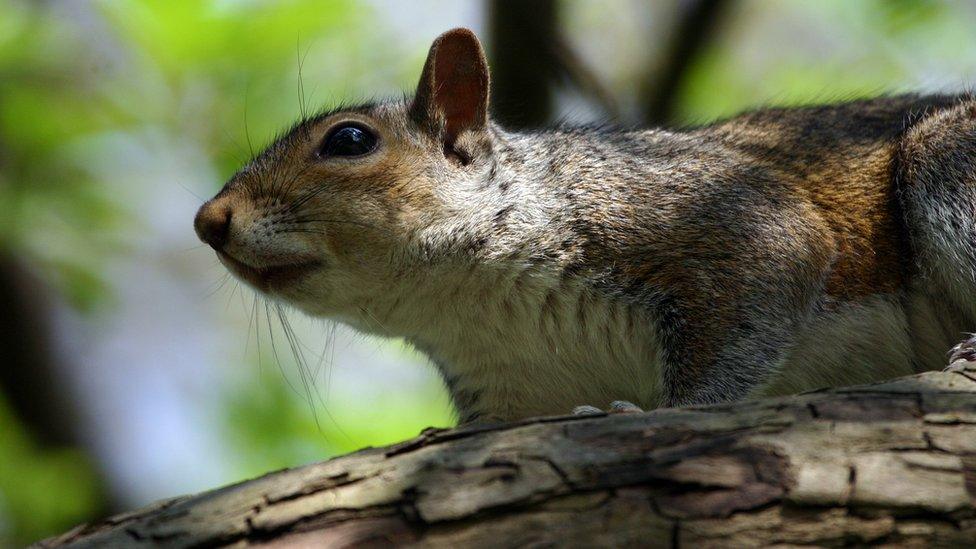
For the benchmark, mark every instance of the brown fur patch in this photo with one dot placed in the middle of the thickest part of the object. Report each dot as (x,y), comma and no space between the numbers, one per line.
(857,203)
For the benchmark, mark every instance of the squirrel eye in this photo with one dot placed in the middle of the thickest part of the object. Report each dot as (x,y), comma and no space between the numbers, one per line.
(348,140)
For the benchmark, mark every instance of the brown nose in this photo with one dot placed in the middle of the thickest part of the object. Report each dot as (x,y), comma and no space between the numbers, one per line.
(212,223)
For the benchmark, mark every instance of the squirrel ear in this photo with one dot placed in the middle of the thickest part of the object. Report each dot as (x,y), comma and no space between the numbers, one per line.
(454,85)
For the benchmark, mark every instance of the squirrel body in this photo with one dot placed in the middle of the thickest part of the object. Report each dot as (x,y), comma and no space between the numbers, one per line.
(778,251)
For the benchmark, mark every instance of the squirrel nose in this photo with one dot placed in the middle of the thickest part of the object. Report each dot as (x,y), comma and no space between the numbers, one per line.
(212,223)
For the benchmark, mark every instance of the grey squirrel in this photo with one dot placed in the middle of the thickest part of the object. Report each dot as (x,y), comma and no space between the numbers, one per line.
(774,252)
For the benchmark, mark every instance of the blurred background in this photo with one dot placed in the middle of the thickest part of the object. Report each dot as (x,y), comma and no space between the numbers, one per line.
(134,369)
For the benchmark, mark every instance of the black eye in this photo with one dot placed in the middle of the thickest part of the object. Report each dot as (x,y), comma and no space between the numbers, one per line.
(348,141)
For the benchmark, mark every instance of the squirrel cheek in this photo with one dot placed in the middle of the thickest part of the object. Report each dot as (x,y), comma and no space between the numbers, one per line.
(343,244)
(334,244)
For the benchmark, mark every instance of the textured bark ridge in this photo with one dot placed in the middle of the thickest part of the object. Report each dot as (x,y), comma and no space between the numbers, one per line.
(892,463)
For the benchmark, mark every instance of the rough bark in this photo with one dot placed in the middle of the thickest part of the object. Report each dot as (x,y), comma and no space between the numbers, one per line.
(892,463)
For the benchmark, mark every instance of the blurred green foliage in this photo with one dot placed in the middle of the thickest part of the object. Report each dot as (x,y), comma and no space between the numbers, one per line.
(181,68)
(276,425)
(200,62)
(41,491)
(50,211)
(826,51)
(76,78)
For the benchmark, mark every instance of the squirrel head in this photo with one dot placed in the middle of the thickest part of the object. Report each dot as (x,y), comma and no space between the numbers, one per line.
(328,215)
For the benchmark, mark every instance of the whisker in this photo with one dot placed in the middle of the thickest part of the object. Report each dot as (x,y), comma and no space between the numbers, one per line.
(257,333)
(310,231)
(247,133)
(321,360)
(303,220)
(300,363)
(331,341)
(312,393)
(376,320)
(308,379)
(274,349)
(250,322)
(306,195)
(301,84)
(285,185)
(230,298)
(189,190)
(219,284)
(236,151)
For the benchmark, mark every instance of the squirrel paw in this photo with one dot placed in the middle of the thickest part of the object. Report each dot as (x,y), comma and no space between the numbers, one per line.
(963,355)
(616,407)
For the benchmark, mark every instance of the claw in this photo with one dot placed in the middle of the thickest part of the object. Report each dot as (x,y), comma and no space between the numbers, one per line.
(616,407)
(587,410)
(963,355)
(624,407)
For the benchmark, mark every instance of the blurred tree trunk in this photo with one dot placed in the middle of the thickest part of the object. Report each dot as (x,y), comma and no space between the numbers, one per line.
(31,382)
(29,379)
(522,37)
(890,464)
(697,26)
(530,55)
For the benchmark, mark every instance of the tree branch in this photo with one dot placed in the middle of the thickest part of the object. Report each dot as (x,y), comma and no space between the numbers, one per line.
(891,463)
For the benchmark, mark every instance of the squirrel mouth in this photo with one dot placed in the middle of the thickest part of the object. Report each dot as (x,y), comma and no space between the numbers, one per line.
(269,277)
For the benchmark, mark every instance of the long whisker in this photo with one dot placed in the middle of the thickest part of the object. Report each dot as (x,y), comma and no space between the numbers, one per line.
(297,178)
(278,181)
(301,82)
(247,133)
(308,379)
(274,349)
(230,298)
(257,332)
(331,342)
(285,185)
(250,323)
(219,285)
(306,231)
(321,360)
(303,373)
(305,220)
(303,198)
(189,190)
(238,148)
(366,311)
(310,194)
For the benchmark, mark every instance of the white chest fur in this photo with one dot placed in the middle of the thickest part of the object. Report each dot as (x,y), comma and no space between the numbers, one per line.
(524,343)
(880,338)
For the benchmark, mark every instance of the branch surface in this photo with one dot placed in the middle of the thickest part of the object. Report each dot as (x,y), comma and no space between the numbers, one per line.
(891,463)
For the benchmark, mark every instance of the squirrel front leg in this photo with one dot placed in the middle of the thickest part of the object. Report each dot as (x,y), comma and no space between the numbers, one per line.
(730,306)
(713,358)
(718,349)
(616,407)
(721,355)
